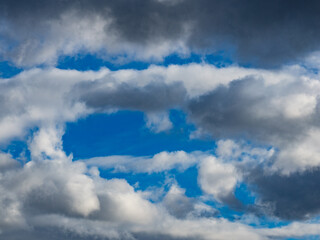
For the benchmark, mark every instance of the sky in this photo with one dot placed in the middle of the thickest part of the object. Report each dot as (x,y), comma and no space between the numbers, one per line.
(159,119)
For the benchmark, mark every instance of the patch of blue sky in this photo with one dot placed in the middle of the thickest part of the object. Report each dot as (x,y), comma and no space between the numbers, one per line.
(125,133)
(142,181)
(84,62)
(18,149)
(305,238)
(188,181)
(8,69)
(244,195)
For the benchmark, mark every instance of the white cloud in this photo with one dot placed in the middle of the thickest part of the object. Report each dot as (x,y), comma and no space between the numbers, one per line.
(158,122)
(277,108)
(217,178)
(293,230)
(160,162)
(242,153)
(177,203)
(7,162)
(300,155)
(51,186)
(53,191)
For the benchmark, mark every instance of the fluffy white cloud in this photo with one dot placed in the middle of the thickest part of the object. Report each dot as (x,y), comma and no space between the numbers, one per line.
(300,155)
(217,178)
(52,191)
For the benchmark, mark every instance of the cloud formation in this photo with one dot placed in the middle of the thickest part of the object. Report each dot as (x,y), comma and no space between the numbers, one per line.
(277,109)
(263,118)
(260,33)
(56,193)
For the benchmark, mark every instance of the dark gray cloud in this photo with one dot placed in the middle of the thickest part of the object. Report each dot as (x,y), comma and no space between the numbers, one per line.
(293,197)
(52,233)
(148,236)
(264,33)
(244,109)
(154,96)
(40,233)
(260,32)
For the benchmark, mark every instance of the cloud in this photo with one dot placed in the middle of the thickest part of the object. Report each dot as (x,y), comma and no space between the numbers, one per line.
(277,110)
(287,197)
(52,96)
(273,108)
(7,162)
(296,229)
(36,98)
(152,29)
(181,206)
(265,121)
(217,178)
(53,193)
(163,161)
(158,122)
(126,96)
(282,114)
(219,174)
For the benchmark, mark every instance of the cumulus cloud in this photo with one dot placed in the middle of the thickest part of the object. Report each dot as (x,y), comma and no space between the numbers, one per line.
(51,96)
(216,178)
(56,194)
(281,114)
(276,109)
(264,122)
(182,207)
(218,174)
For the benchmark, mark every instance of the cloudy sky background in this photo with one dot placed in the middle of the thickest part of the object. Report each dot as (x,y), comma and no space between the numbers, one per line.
(159,119)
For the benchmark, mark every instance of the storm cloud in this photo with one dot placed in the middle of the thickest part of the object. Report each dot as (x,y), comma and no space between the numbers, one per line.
(262,33)
(293,197)
(155,96)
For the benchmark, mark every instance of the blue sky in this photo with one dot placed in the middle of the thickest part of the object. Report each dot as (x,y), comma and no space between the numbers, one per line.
(159,119)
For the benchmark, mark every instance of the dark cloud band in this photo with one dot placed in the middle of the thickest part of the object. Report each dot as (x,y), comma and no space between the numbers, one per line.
(263,33)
